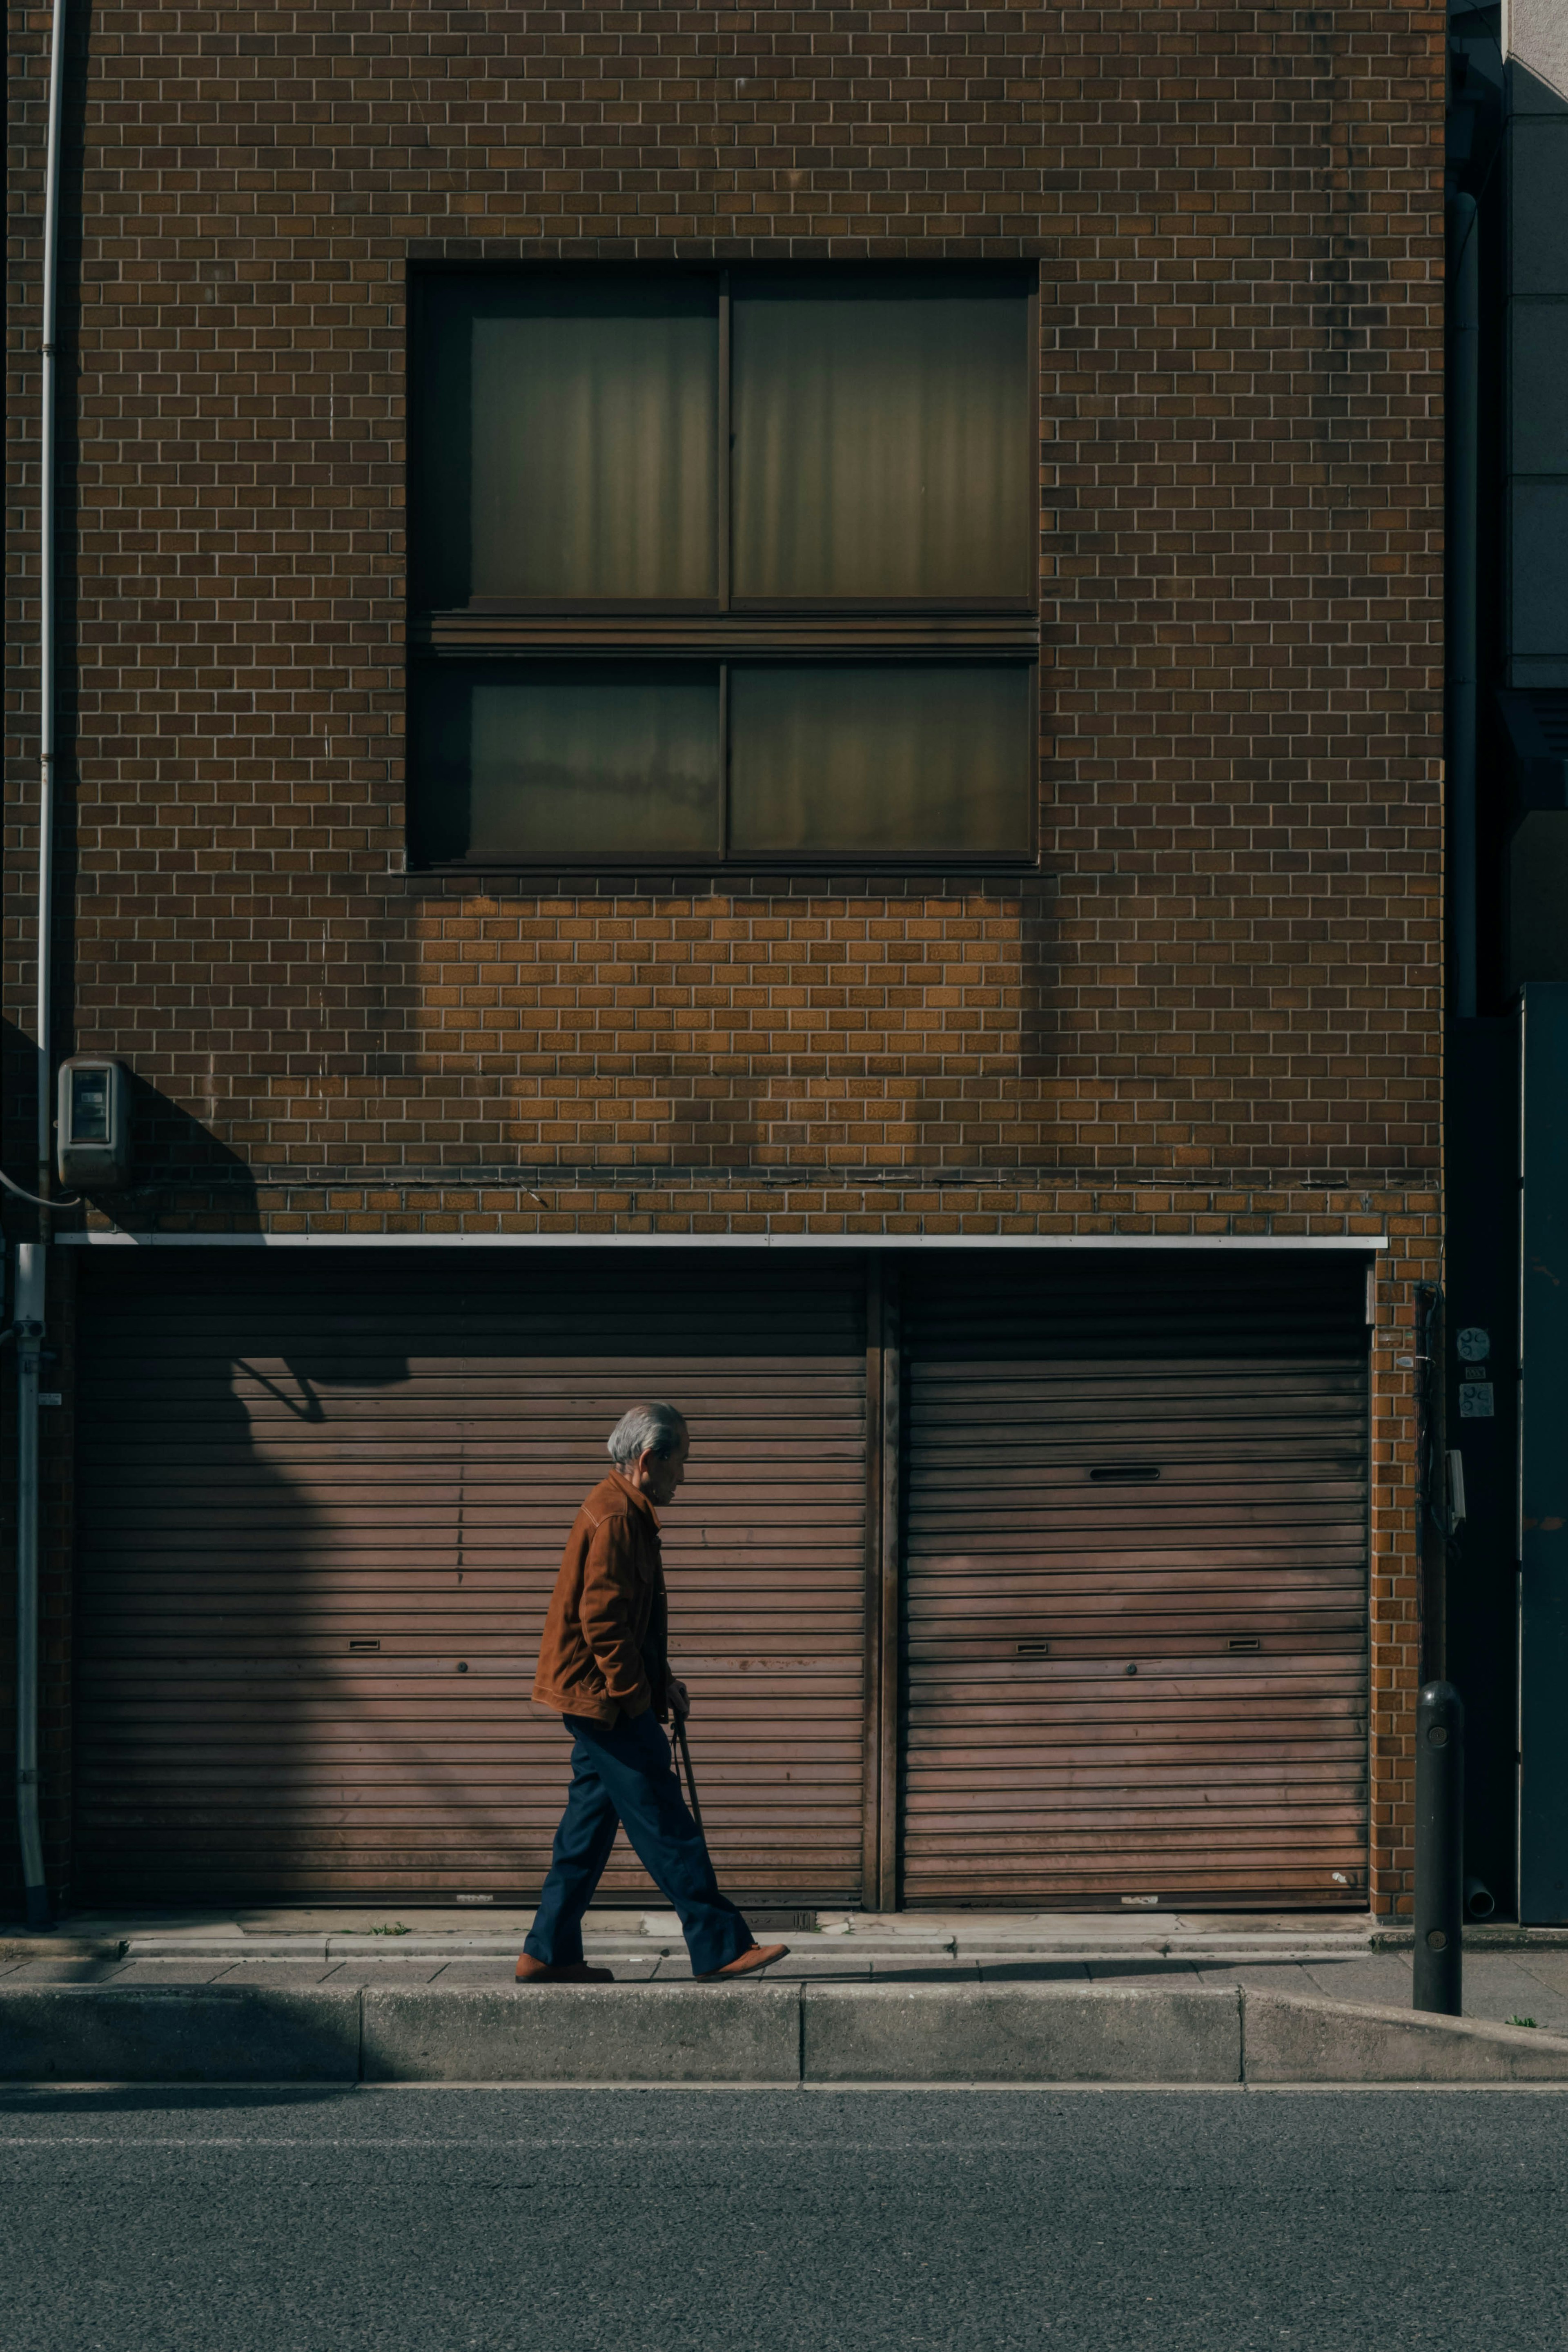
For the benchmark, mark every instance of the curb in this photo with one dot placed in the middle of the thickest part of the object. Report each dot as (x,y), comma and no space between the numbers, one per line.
(962,1946)
(760,2034)
(1292,2039)
(1019,2034)
(61,1947)
(178,2034)
(1479,1937)
(675,2033)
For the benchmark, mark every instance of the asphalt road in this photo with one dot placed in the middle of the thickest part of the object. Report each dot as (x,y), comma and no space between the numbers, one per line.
(655,2221)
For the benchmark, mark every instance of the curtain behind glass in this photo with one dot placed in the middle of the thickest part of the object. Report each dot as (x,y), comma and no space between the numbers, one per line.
(833,759)
(884,446)
(568,759)
(568,430)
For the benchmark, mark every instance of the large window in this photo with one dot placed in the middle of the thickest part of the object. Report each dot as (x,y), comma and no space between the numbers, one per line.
(723,566)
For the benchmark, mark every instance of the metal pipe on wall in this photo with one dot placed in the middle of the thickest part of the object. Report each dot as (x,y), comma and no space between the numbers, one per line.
(1462,637)
(47,598)
(32,1257)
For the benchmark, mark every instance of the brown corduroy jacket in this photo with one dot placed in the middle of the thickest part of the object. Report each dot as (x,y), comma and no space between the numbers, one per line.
(605,1648)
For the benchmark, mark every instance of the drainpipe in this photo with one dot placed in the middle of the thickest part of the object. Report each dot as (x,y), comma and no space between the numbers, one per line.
(1461,635)
(47,616)
(32,1256)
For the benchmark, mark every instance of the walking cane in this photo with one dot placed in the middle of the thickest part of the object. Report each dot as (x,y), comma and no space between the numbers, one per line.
(685,1753)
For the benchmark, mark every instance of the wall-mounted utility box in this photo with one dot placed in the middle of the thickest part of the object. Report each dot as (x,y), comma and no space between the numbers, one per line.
(92,1143)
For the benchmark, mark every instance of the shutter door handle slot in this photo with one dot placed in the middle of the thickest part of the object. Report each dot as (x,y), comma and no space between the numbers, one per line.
(1244,1642)
(1034,1650)
(364,1645)
(1124,1474)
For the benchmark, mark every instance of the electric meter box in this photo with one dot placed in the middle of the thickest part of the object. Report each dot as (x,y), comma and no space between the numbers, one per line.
(92,1141)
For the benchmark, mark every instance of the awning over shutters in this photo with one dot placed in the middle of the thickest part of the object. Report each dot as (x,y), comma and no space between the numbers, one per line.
(323,1499)
(1136,1583)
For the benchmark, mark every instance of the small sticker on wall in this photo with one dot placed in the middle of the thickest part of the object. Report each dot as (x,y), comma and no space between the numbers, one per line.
(1476,1401)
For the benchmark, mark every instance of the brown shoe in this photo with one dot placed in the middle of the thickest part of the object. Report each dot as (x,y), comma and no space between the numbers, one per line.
(531,1971)
(760,1956)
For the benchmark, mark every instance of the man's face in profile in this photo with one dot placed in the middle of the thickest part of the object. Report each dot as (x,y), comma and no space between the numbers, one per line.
(658,1475)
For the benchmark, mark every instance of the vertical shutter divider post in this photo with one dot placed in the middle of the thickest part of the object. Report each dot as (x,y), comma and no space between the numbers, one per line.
(888,1439)
(871,1814)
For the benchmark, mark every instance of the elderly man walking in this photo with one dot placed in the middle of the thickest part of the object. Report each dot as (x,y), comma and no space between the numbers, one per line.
(604,1667)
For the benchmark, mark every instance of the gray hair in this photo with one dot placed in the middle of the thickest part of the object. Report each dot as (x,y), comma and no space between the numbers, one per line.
(655,1428)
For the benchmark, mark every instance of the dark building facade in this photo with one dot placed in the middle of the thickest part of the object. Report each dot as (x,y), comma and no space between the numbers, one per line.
(1506,1367)
(751,708)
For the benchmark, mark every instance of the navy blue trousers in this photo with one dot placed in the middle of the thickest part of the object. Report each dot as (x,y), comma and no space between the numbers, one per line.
(622,1775)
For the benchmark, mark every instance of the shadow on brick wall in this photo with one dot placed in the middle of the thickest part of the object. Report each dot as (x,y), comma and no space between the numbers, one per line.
(179,1169)
(177,1164)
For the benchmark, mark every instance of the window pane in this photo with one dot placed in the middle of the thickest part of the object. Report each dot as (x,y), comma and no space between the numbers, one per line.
(840,758)
(567,759)
(883,442)
(568,431)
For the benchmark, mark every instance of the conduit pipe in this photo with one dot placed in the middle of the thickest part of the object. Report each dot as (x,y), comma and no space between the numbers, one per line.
(32,1257)
(1462,636)
(47,598)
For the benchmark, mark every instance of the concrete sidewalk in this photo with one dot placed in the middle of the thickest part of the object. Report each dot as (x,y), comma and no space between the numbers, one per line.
(1339,1956)
(344,1930)
(337,1995)
(1048,1932)
(1500,1987)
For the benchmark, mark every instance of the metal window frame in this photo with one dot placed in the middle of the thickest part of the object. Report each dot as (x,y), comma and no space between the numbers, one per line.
(1005,630)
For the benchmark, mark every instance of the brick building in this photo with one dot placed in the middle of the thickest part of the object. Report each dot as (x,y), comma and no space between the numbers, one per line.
(1023,1163)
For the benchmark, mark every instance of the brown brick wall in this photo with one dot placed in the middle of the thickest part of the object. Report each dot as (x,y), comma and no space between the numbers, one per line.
(1226,976)
(1236,216)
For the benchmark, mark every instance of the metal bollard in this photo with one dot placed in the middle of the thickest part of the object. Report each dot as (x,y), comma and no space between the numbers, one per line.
(1439,1849)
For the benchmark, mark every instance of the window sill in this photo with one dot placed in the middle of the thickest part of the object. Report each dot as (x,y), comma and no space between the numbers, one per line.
(737,871)
(728,636)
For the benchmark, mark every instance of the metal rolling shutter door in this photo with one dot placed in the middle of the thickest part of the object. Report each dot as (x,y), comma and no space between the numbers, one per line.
(287,1459)
(1197,1731)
